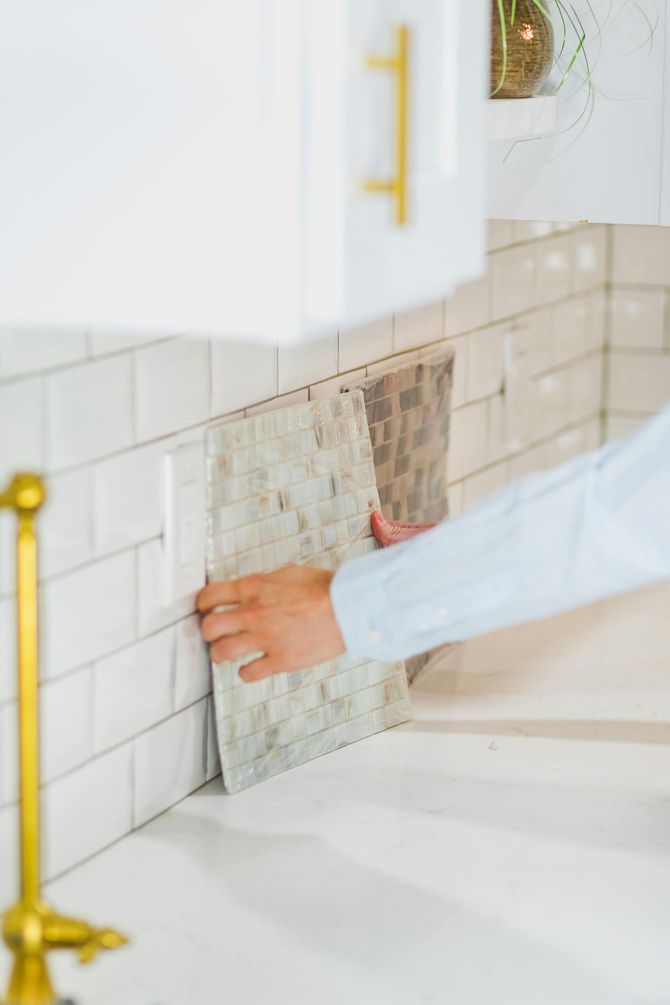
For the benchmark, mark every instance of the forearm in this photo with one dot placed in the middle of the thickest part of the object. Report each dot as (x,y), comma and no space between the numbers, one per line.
(596,526)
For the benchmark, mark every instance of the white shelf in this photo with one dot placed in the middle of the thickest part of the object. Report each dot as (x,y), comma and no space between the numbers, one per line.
(516,118)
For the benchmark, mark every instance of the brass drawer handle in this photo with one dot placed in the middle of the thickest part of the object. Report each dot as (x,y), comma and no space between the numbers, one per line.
(398,64)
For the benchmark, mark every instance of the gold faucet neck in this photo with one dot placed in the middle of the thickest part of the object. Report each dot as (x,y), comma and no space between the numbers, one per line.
(31,928)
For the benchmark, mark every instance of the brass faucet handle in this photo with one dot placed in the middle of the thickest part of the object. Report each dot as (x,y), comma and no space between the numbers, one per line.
(72,933)
(103,939)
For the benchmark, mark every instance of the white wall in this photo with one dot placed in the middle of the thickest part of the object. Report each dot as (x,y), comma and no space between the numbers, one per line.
(125,706)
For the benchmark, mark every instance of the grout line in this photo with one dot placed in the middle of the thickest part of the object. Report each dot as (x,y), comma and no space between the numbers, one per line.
(82,361)
(114,748)
(535,445)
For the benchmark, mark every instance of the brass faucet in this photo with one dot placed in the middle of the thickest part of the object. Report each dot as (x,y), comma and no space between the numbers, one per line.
(31,928)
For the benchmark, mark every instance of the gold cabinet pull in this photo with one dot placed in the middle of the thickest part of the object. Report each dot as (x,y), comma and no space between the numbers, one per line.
(398,64)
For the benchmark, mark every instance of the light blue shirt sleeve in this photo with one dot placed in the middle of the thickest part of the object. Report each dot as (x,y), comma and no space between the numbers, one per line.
(593,527)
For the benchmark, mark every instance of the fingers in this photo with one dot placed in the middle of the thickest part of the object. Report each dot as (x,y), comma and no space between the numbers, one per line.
(233,647)
(218,594)
(230,591)
(214,626)
(259,669)
(393,531)
(381,528)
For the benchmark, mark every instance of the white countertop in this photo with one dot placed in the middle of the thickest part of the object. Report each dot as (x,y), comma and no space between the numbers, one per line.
(504,847)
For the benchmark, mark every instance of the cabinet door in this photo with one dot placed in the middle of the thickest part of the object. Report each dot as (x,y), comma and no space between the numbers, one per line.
(183,166)
(364,261)
(135,161)
(605,162)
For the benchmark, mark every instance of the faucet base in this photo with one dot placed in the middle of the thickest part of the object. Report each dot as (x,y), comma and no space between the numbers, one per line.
(30,983)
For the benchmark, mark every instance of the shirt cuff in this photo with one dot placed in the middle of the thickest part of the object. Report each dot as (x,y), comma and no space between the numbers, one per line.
(359,604)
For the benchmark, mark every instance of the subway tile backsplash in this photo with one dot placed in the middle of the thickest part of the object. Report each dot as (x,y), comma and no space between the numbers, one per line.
(98,413)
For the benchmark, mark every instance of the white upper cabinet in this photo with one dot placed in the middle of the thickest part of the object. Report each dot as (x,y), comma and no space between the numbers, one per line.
(271,168)
(606,160)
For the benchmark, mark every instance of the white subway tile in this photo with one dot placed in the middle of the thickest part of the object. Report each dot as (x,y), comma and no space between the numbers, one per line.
(578,326)
(283,401)
(528,342)
(532,230)
(154,611)
(485,362)
(638,383)
(89,411)
(618,427)
(637,318)
(360,346)
(87,810)
(65,723)
(585,395)
(133,690)
(171,387)
(485,483)
(641,255)
(469,307)
(527,463)
(590,257)
(456,496)
(513,281)
(503,436)
(596,324)
(89,613)
(460,346)
(64,716)
(418,327)
(572,335)
(8,671)
(7,552)
(65,523)
(567,445)
(9,762)
(170,762)
(400,359)
(500,234)
(467,441)
(102,343)
(554,268)
(213,760)
(193,676)
(128,498)
(332,387)
(9,856)
(25,350)
(550,405)
(593,433)
(242,374)
(303,364)
(21,423)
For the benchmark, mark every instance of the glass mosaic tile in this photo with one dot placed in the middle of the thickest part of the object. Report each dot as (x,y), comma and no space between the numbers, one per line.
(296,485)
(408,410)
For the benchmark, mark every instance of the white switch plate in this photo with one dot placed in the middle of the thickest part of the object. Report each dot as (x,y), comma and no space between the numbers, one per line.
(184,540)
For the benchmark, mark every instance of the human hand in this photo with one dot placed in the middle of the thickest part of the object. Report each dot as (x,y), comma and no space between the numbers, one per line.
(286,615)
(393,532)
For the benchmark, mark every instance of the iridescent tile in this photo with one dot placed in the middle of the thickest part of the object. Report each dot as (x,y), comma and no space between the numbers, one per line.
(293,485)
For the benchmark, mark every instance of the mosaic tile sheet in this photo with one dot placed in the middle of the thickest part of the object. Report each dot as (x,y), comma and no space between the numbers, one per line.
(408,412)
(295,486)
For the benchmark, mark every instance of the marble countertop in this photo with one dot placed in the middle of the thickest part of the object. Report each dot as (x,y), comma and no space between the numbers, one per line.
(509,845)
